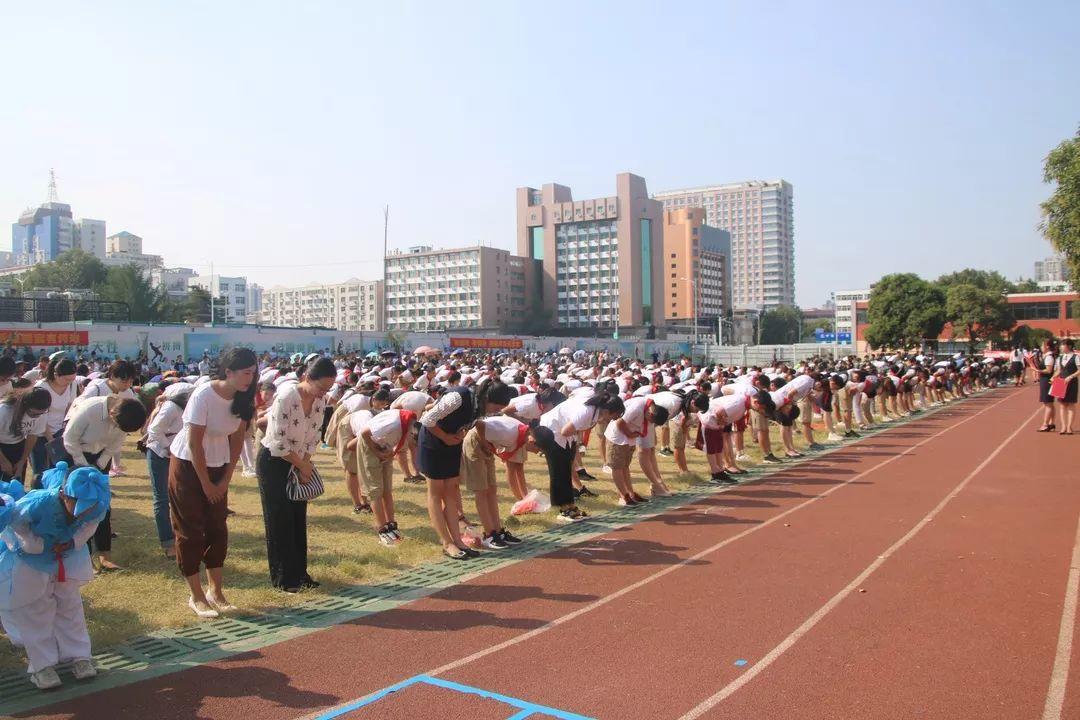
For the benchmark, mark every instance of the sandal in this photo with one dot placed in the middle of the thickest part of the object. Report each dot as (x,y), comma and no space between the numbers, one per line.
(459,555)
(1045,428)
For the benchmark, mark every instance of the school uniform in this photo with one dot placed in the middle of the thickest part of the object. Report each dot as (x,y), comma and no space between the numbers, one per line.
(165,426)
(389,431)
(559,450)
(1066,366)
(92,438)
(478,465)
(54,423)
(288,430)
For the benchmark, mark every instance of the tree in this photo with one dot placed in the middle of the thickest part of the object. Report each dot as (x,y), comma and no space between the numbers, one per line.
(72,269)
(780,326)
(1027,286)
(982,279)
(1061,211)
(128,284)
(818,324)
(1026,336)
(904,310)
(977,313)
(197,306)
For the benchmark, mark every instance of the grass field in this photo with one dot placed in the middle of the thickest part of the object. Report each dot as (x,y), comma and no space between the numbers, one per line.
(342,548)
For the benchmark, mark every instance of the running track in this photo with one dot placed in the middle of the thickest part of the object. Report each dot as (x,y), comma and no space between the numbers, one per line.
(928,572)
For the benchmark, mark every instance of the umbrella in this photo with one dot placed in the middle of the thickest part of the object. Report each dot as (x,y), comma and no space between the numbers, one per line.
(459,351)
(565,351)
(426,350)
(372,355)
(388,353)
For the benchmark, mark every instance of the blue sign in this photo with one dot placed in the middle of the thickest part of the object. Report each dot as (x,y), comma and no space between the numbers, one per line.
(822,336)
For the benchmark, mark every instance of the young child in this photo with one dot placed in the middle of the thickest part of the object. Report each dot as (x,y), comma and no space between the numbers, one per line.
(44,561)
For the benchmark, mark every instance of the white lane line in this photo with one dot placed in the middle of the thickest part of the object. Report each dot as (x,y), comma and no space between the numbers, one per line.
(758,667)
(672,568)
(1059,676)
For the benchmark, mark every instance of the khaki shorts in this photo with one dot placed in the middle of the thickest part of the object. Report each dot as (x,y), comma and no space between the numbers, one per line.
(758,421)
(376,475)
(678,434)
(477,467)
(619,456)
(346,457)
(519,456)
(806,410)
(648,440)
(845,399)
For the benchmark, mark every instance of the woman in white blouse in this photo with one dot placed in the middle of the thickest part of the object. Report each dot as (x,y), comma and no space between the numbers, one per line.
(166,424)
(121,377)
(59,380)
(204,455)
(292,436)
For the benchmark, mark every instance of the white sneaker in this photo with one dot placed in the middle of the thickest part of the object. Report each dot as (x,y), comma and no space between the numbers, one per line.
(249,473)
(84,669)
(606,469)
(45,679)
(742,457)
(202,610)
(833,437)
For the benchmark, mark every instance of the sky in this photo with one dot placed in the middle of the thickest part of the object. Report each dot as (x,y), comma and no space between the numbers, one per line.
(267,137)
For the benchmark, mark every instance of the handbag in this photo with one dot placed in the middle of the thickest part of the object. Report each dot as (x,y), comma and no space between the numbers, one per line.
(1058,386)
(300,491)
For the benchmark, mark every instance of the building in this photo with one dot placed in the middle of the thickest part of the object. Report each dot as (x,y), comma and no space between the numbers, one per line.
(42,233)
(600,260)
(173,280)
(126,248)
(760,216)
(844,308)
(254,298)
(351,305)
(228,291)
(89,235)
(697,269)
(1051,269)
(472,287)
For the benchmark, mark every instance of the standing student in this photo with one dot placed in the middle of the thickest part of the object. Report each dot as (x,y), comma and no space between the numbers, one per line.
(442,428)
(293,434)
(59,381)
(166,424)
(121,377)
(1046,369)
(204,455)
(94,433)
(556,436)
(22,426)
(1067,368)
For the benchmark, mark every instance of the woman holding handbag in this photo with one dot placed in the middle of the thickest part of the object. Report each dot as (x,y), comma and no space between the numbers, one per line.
(1066,370)
(287,475)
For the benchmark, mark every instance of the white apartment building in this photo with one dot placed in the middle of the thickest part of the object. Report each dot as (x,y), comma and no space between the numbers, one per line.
(472,287)
(173,280)
(1051,269)
(90,236)
(350,305)
(232,291)
(125,248)
(760,216)
(844,301)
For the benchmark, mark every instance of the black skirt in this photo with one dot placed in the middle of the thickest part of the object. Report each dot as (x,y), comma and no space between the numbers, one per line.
(1044,389)
(436,459)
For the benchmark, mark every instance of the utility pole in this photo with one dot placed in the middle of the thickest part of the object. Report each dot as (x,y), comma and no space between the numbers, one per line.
(211,288)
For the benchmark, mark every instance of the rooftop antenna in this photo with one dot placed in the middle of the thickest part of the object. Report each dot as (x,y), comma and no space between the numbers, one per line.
(385,229)
(53,197)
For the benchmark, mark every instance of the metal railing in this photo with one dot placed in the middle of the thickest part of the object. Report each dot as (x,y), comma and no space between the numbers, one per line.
(41,310)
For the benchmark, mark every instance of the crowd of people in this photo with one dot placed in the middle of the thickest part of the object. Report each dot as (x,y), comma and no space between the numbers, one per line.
(444,421)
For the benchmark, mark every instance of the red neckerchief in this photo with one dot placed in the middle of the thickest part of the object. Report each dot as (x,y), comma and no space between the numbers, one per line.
(406,417)
(645,416)
(522,438)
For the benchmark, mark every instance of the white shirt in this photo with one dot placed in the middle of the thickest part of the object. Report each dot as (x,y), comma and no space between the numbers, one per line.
(288,429)
(5,388)
(91,430)
(34,374)
(581,416)
(526,407)
(54,418)
(503,431)
(633,416)
(385,428)
(670,402)
(29,426)
(733,408)
(168,421)
(412,400)
(100,387)
(356,401)
(208,409)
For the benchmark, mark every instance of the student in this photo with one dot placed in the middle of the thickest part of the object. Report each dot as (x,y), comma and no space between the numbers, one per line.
(787,400)
(342,422)
(94,434)
(167,422)
(7,372)
(204,455)
(416,402)
(556,436)
(43,566)
(639,417)
(376,440)
(292,436)
(22,426)
(1067,367)
(1046,370)
(59,381)
(121,377)
(38,371)
(442,428)
(717,419)
(490,431)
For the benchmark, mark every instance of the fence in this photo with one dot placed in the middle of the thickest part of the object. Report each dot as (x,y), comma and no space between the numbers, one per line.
(766,355)
(58,310)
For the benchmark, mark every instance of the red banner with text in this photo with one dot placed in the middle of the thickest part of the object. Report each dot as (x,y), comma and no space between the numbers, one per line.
(48,338)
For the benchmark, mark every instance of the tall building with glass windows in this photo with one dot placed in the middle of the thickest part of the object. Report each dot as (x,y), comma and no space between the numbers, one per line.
(760,215)
(599,261)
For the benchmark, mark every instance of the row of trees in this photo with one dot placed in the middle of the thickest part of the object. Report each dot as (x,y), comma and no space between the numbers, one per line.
(126,284)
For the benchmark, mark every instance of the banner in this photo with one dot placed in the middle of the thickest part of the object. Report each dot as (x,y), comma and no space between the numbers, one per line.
(45,338)
(487,343)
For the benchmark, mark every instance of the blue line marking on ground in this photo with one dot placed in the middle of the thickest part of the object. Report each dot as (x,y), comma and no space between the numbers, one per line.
(525,708)
(740,663)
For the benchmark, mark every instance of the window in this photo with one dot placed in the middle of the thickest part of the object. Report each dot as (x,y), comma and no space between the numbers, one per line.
(646,271)
(1037,310)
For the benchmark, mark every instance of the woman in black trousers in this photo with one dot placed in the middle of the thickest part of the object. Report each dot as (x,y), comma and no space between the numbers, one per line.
(292,436)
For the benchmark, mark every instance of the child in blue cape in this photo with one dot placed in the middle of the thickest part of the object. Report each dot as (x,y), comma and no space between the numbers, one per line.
(44,561)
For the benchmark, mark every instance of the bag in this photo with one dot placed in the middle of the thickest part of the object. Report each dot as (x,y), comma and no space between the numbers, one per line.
(302,492)
(1058,386)
(534,502)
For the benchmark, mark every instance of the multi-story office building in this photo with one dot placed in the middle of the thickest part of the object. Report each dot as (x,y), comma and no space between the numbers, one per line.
(173,280)
(760,217)
(125,248)
(351,305)
(230,291)
(90,236)
(42,233)
(844,308)
(1051,270)
(471,287)
(600,260)
(697,269)
(254,303)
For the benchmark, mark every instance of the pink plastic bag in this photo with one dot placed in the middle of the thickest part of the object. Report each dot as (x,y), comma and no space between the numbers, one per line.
(534,502)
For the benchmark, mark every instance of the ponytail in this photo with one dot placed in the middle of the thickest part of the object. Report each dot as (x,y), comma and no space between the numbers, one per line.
(37,399)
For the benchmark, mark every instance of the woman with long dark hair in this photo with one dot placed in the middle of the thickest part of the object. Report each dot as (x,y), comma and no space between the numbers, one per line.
(293,434)
(59,381)
(22,424)
(204,455)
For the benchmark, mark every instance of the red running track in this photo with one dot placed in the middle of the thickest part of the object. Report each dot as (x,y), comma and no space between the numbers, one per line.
(921,573)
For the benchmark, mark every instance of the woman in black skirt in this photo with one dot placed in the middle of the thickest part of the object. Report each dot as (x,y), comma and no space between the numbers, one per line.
(442,428)
(1068,369)
(1046,373)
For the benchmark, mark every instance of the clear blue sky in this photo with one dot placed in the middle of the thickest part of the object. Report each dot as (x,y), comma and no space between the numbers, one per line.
(269,135)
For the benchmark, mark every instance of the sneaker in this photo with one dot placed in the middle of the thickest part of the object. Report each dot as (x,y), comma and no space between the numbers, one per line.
(386,537)
(583,474)
(45,679)
(585,492)
(851,434)
(361,508)
(416,479)
(728,480)
(816,446)
(606,469)
(392,525)
(833,437)
(666,452)
(770,459)
(626,501)
(716,478)
(249,474)
(571,515)
(509,537)
(83,669)
(742,457)
(494,541)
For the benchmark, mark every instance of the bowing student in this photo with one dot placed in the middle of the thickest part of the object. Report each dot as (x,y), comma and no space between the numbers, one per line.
(375,440)
(22,427)
(59,381)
